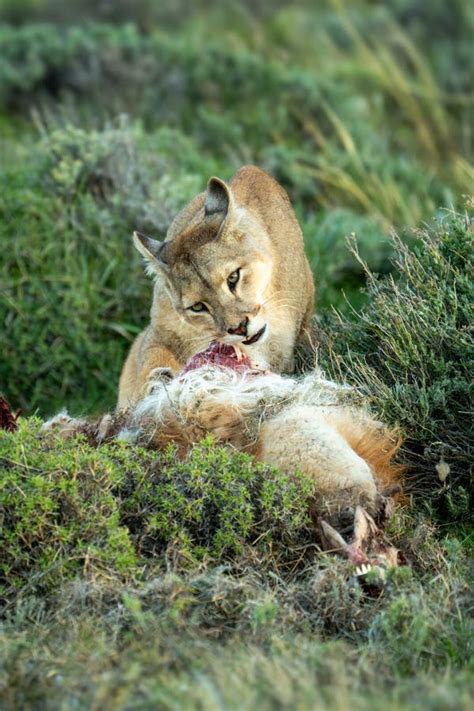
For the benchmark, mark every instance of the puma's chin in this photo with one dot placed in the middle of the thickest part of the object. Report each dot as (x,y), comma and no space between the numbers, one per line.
(258,336)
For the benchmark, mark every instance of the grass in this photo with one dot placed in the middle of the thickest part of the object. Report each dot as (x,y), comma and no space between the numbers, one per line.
(410,350)
(129,579)
(366,135)
(133,580)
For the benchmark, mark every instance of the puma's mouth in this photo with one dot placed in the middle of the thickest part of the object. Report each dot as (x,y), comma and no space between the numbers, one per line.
(256,337)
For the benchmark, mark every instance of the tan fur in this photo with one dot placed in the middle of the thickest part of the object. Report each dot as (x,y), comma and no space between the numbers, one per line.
(377,444)
(250,225)
(304,424)
(225,423)
(300,438)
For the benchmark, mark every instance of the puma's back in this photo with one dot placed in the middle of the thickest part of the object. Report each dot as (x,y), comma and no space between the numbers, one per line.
(232,269)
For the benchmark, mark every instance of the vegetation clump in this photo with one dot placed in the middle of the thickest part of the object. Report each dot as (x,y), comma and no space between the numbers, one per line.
(69,509)
(59,515)
(120,566)
(410,349)
(216,501)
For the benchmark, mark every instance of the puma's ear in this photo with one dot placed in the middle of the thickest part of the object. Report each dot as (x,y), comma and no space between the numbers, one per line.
(153,251)
(219,201)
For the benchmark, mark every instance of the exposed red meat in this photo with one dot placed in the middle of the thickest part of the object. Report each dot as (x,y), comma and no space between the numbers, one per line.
(220,354)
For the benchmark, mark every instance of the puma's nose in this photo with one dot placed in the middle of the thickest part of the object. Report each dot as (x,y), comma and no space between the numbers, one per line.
(241,329)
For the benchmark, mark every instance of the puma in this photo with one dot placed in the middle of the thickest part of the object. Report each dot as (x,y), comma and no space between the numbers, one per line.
(232,270)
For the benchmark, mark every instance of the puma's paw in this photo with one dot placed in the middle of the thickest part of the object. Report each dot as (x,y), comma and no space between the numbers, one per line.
(156,378)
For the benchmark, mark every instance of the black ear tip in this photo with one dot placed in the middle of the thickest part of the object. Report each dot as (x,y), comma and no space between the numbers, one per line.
(214,181)
(149,247)
(217,197)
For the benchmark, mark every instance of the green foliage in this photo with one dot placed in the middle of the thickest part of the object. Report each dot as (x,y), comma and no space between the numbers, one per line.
(191,636)
(214,502)
(333,264)
(127,178)
(73,290)
(59,512)
(68,508)
(411,349)
(121,566)
(418,626)
(150,667)
(315,138)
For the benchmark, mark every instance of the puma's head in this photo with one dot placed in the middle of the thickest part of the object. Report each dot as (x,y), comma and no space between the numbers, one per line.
(218,269)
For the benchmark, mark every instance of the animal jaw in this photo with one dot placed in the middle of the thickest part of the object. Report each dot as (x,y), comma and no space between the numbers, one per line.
(369,550)
(219,354)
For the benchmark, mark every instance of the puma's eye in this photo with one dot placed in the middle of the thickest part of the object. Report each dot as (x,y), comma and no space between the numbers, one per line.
(232,279)
(198,307)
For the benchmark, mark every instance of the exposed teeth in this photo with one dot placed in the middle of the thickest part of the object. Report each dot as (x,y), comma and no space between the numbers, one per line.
(238,353)
(256,336)
(363,569)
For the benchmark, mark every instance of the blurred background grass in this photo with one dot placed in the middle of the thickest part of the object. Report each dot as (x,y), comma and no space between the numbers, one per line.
(114,114)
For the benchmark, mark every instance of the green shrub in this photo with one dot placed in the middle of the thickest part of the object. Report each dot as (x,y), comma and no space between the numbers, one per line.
(59,514)
(326,144)
(333,264)
(214,502)
(69,508)
(37,59)
(129,178)
(410,348)
(73,289)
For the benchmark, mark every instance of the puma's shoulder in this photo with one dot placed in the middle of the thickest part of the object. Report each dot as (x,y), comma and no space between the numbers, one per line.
(254,186)
(256,179)
(254,189)
(188,214)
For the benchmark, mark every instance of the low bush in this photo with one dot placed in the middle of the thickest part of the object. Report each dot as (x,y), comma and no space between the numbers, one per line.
(130,180)
(73,290)
(215,502)
(182,608)
(68,508)
(59,515)
(410,348)
(326,146)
